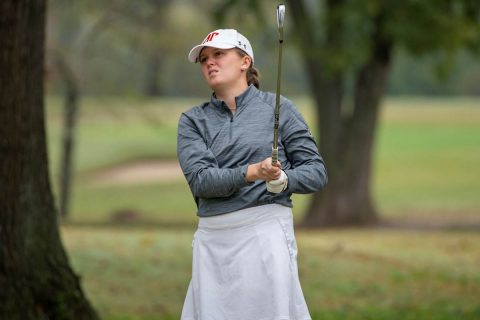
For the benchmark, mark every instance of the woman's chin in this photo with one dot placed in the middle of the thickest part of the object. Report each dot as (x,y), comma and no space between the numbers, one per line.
(215,85)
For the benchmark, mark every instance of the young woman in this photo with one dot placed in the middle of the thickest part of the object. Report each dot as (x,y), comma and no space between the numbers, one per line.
(244,250)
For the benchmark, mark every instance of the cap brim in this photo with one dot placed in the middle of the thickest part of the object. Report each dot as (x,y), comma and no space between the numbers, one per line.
(193,55)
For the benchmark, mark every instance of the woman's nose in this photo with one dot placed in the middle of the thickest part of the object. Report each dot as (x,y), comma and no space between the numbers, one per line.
(209,61)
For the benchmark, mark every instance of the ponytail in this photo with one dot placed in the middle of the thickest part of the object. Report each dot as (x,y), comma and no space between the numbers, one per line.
(252,76)
(252,73)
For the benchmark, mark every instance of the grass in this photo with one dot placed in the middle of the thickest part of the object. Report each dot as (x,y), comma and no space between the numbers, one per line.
(132,274)
(116,131)
(426,158)
(427,154)
(163,203)
(345,274)
(426,165)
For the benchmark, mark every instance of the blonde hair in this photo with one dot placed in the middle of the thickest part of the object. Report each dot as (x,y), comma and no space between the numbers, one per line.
(252,73)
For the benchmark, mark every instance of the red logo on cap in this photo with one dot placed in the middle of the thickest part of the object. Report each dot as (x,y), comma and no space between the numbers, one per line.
(210,37)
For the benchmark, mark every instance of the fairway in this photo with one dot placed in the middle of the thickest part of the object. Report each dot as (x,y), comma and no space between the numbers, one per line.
(131,242)
(149,151)
(428,151)
(138,274)
(425,165)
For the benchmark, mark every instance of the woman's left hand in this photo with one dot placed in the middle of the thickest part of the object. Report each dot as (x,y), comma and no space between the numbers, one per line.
(263,170)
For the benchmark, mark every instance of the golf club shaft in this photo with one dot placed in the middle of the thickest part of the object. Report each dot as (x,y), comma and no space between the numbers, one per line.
(280,19)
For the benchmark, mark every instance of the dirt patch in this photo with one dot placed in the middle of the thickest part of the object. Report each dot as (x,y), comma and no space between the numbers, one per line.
(140,173)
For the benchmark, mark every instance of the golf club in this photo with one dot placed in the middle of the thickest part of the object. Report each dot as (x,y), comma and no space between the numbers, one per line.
(280,20)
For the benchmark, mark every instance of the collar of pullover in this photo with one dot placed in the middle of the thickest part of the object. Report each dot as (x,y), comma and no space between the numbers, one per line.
(240,100)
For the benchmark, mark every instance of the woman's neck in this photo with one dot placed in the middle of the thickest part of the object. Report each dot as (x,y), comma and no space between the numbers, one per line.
(229,95)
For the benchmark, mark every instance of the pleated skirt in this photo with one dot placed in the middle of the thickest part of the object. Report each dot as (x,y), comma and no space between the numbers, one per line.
(244,267)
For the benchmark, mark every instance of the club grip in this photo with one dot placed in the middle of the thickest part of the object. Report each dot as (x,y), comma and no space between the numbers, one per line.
(274,156)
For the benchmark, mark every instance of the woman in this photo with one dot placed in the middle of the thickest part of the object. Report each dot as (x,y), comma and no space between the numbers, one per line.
(244,250)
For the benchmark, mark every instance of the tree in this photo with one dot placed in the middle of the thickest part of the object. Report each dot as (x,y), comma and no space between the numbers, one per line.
(347,48)
(36,280)
(145,26)
(69,43)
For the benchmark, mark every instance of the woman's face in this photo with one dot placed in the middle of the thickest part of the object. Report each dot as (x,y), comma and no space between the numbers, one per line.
(223,68)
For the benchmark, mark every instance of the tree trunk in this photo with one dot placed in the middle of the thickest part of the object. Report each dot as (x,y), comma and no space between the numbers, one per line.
(71,102)
(348,151)
(36,280)
(346,138)
(152,87)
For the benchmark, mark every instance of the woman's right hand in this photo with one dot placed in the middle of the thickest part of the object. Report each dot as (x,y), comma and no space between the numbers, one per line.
(263,170)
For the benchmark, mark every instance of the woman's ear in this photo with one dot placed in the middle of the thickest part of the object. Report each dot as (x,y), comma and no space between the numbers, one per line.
(246,62)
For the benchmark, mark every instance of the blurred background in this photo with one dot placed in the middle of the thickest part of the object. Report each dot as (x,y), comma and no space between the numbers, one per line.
(118,79)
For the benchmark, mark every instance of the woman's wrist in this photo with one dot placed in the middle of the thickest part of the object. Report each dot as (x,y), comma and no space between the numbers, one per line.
(252,175)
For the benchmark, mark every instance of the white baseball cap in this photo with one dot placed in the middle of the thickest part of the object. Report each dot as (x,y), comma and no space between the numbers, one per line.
(222,39)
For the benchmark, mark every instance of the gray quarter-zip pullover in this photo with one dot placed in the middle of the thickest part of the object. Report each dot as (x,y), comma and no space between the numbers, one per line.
(215,147)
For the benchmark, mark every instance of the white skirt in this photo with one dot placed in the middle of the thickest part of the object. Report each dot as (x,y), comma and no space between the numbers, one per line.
(245,268)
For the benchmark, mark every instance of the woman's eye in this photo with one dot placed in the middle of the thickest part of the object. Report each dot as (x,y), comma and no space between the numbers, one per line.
(202,59)
(218,53)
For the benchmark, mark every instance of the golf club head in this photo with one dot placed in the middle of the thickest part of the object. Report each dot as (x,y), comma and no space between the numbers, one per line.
(280,15)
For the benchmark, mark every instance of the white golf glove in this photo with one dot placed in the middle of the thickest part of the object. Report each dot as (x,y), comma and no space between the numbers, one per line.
(278,185)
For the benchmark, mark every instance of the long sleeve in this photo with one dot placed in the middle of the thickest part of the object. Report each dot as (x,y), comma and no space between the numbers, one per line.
(306,172)
(215,148)
(200,167)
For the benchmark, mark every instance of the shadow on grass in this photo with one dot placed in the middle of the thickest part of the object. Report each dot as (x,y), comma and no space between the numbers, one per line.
(134,225)
(382,224)
(431,225)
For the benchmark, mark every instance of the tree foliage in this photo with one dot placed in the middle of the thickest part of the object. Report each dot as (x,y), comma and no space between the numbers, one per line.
(348,47)
(128,34)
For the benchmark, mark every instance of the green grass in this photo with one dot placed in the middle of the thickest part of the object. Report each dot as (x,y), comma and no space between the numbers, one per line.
(116,131)
(426,164)
(345,274)
(426,158)
(166,203)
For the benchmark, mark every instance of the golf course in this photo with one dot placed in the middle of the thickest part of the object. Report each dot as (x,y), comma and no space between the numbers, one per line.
(132,216)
